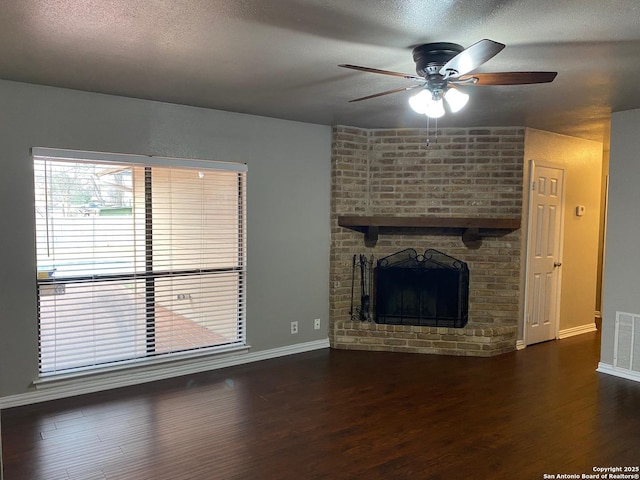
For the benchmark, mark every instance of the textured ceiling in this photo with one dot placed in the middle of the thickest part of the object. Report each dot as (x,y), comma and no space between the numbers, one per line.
(279,58)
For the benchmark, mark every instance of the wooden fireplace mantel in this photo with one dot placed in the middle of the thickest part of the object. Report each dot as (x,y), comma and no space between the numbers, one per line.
(472,228)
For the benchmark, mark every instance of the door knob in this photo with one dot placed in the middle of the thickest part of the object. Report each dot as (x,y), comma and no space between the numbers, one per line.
(557,264)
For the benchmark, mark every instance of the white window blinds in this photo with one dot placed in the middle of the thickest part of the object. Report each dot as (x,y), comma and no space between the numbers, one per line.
(136,257)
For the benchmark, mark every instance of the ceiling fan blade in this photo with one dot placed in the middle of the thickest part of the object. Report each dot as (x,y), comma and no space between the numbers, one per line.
(383,72)
(471,58)
(504,78)
(395,90)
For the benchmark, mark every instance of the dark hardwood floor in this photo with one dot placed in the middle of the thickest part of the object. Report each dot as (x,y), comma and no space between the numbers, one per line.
(343,414)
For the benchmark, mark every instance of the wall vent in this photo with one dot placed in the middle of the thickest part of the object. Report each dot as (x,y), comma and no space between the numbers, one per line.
(626,353)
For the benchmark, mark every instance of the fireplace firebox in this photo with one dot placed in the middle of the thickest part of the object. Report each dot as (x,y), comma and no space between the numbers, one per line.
(430,289)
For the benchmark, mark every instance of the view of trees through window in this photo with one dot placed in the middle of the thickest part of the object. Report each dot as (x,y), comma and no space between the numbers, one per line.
(84,189)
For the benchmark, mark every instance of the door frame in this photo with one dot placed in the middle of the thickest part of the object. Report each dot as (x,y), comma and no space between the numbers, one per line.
(529,242)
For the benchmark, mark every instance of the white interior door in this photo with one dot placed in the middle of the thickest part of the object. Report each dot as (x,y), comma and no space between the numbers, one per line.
(543,254)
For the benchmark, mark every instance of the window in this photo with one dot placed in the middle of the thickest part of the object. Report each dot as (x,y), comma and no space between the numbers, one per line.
(137,257)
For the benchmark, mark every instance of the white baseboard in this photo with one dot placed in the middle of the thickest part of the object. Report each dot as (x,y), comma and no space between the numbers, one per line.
(80,386)
(570,332)
(618,372)
(520,345)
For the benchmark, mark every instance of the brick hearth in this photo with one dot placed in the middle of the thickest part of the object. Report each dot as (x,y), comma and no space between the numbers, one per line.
(476,340)
(474,172)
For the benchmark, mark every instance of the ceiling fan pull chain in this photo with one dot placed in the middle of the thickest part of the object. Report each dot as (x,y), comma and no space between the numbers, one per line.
(427,142)
(436,138)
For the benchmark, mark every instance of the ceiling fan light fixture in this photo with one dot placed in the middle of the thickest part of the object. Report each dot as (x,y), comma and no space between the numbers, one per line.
(456,99)
(435,108)
(427,103)
(420,101)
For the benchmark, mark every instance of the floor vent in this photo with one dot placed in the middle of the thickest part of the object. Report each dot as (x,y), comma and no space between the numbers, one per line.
(626,354)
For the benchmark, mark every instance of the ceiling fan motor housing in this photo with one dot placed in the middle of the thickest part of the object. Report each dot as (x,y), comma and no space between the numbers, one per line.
(431,57)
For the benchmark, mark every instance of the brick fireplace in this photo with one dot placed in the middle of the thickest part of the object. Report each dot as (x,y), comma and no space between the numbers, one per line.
(464,175)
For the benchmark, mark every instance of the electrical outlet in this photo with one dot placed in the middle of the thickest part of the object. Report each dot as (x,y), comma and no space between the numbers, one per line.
(316,324)
(294,328)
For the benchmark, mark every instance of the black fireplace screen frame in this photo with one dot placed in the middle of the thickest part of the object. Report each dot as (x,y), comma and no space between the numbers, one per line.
(430,289)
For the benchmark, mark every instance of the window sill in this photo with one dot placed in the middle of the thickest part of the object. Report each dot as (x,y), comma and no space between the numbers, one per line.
(140,372)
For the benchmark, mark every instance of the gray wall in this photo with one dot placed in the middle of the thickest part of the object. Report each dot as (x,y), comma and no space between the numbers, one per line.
(622,255)
(287,199)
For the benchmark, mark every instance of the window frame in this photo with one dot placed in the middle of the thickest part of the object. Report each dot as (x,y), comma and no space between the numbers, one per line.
(150,274)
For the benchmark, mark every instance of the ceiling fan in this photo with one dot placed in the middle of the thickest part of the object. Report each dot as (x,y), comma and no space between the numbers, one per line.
(442,68)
